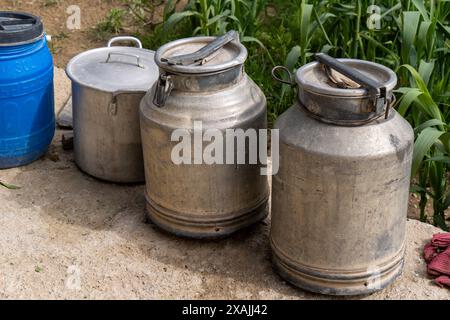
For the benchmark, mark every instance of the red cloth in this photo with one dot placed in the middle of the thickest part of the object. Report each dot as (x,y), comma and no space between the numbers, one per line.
(440,264)
(429,252)
(437,256)
(442,281)
(441,240)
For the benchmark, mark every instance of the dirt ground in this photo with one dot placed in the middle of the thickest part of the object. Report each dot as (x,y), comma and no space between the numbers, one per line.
(65,235)
(66,43)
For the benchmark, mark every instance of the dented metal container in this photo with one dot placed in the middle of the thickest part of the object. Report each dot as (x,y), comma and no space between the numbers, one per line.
(107,87)
(202,83)
(340,197)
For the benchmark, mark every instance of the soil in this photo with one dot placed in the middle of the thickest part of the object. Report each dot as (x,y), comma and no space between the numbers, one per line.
(66,235)
(414,210)
(67,43)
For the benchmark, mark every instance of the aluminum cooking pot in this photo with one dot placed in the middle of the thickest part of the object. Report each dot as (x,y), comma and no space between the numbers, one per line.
(107,87)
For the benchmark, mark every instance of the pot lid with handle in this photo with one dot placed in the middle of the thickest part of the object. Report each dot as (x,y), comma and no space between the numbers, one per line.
(115,68)
(19,28)
(202,55)
(344,91)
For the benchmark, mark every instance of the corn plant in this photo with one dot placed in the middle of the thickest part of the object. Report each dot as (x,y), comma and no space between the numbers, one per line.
(431,156)
(112,24)
(214,17)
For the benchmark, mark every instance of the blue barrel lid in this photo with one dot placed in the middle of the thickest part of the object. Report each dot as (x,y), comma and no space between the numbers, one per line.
(19,27)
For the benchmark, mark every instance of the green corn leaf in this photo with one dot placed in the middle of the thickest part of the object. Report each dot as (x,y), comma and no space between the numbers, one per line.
(440,146)
(447,200)
(442,158)
(320,20)
(444,28)
(416,189)
(421,7)
(217,18)
(326,48)
(378,44)
(197,30)
(445,139)
(292,58)
(175,18)
(305,23)
(9,186)
(425,70)
(409,96)
(424,142)
(427,124)
(417,78)
(257,41)
(398,6)
(422,37)
(425,99)
(430,107)
(169,8)
(440,222)
(409,30)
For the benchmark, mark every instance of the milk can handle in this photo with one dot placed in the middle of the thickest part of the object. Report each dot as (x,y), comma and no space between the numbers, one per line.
(347,71)
(125,38)
(163,89)
(164,85)
(204,54)
(290,82)
(375,89)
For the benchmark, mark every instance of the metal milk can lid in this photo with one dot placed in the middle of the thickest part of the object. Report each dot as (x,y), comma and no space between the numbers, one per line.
(344,91)
(202,55)
(18,28)
(115,68)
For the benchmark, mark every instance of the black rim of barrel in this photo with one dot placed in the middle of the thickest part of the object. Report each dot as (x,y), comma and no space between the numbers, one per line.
(19,27)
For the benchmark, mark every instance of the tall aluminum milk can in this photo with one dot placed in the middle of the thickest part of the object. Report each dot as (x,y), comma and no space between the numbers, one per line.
(340,196)
(202,87)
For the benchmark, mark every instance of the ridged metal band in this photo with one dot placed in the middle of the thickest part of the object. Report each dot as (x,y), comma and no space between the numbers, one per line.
(337,282)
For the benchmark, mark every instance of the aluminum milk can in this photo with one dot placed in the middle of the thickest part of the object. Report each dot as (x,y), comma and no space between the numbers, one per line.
(202,87)
(340,196)
(107,87)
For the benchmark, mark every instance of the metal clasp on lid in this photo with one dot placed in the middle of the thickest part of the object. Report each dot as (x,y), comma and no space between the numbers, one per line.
(204,54)
(377,92)
(163,89)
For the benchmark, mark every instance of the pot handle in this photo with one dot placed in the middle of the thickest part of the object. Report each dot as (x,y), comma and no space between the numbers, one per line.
(125,38)
(286,70)
(138,58)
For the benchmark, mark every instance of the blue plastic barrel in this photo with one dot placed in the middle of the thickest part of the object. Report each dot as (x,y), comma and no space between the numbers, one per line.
(27,118)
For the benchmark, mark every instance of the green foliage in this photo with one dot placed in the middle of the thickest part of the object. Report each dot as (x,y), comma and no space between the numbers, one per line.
(111,25)
(213,17)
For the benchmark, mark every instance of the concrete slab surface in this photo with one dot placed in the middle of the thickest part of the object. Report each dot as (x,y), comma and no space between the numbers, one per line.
(66,235)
